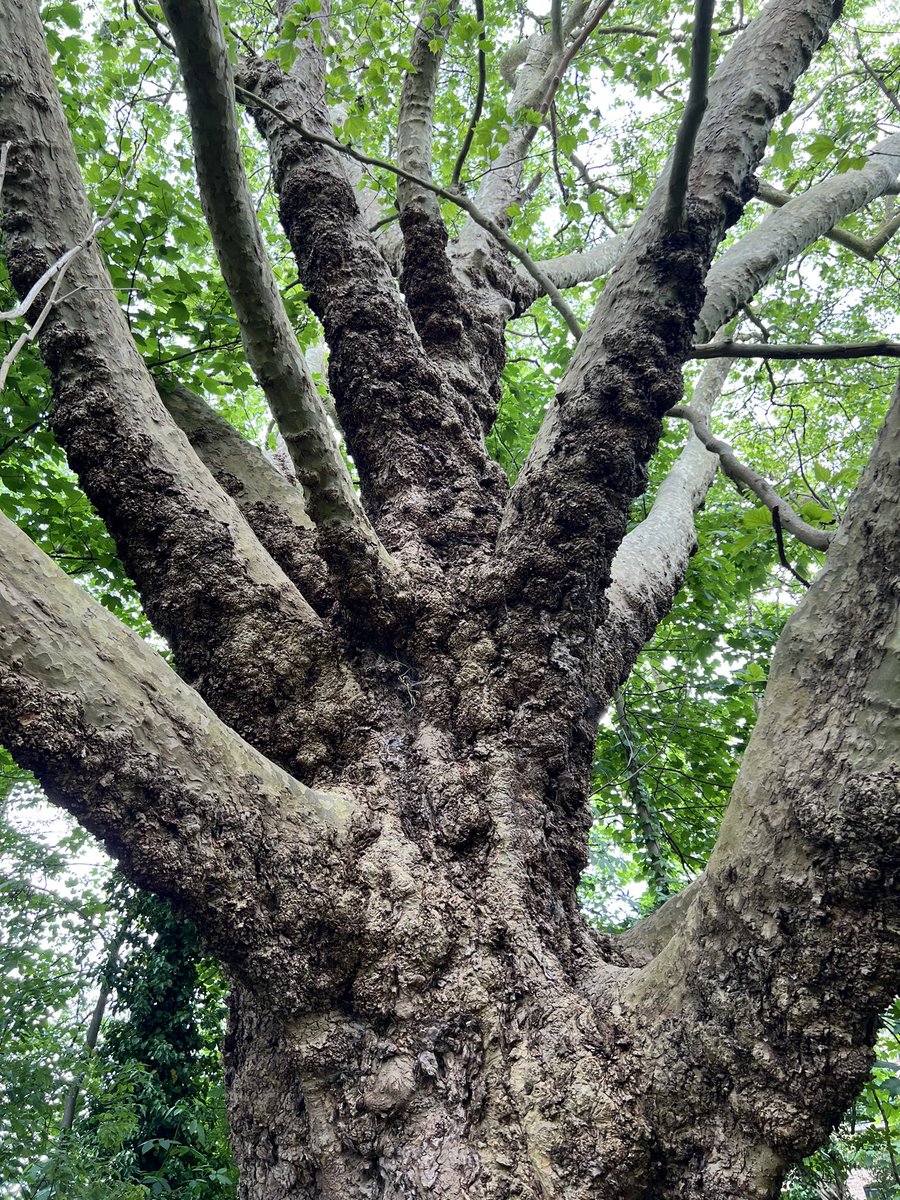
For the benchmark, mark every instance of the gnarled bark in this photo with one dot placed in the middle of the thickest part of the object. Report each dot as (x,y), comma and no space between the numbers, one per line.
(389,871)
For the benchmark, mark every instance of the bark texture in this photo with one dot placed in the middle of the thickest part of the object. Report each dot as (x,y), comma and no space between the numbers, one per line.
(377,815)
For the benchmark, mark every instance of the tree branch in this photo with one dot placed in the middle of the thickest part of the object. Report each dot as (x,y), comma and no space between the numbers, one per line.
(793,898)
(414,430)
(199,569)
(865,247)
(744,476)
(683,154)
(877,349)
(270,505)
(415,122)
(738,275)
(463,202)
(347,540)
(478,105)
(649,567)
(568,509)
(188,808)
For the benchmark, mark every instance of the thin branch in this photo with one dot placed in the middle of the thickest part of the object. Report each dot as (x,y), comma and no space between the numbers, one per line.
(479,102)
(93,1031)
(744,476)
(873,74)
(566,60)
(153,25)
(682,157)
(782,554)
(879,349)
(463,202)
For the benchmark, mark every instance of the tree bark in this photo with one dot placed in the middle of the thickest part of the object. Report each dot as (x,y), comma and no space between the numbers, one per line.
(387,865)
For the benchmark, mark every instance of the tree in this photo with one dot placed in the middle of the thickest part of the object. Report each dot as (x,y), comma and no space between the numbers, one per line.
(364,774)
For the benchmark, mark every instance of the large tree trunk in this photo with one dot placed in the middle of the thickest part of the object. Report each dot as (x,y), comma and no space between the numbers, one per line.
(368,786)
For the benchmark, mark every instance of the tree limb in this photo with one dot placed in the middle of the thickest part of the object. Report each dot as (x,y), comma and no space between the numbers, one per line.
(415,121)
(650,564)
(486,223)
(744,476)
(270,505)
(189,809)
(347,539)
(866,248)
(414,431)
(793,899)
(683,154)
(199,569)
(568,509)
(877,349)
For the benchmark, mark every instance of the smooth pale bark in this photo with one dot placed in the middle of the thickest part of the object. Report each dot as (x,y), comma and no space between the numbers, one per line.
(740,273)
(649,567)
(789,951)
(415,124)
(650,564)
(269,339)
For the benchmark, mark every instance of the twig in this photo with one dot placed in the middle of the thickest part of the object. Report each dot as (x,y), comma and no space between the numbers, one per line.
(479,102)
(879,349)
(153,25)
(56,272)
(873,74)
(701,41)
(463,202)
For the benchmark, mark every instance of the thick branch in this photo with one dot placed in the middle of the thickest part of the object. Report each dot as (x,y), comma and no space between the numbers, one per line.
(738,275)
(415,123)
(485,222)
(569,507)
(190,810)
(650,564)
(791,950)
(347,539)
(271,506)
(744,476)
(861,246)
(415,439)
(199,569)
